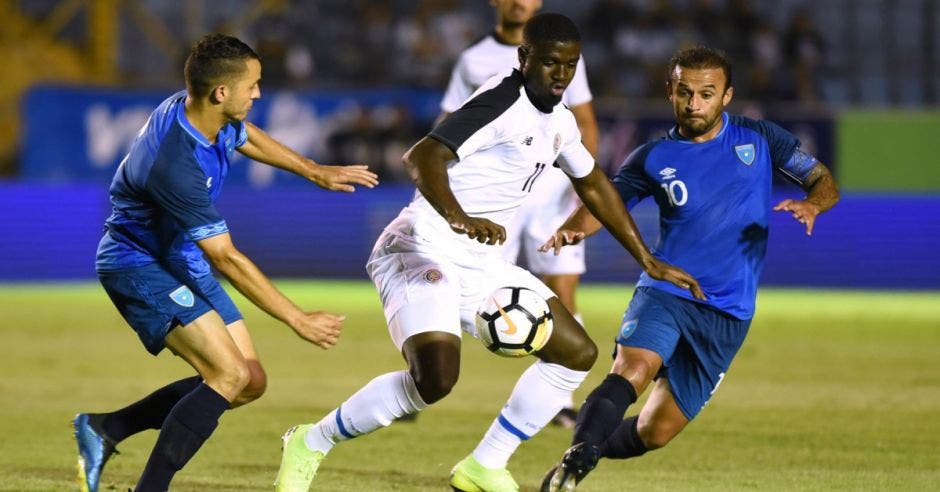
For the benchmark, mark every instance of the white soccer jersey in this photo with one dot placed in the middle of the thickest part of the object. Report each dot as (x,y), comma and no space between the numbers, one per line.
(489,56)
(504,143)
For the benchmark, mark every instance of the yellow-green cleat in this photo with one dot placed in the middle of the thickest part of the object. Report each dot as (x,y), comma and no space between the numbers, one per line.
(470,476)
(298,462)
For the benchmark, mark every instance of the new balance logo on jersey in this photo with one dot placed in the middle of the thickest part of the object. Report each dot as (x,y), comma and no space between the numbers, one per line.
(668,173)
(527,141)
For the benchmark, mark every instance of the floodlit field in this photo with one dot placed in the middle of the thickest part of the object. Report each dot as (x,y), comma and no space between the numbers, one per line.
(831,391)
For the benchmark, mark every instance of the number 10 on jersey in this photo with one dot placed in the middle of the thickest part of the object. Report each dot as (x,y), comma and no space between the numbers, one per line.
(676,192)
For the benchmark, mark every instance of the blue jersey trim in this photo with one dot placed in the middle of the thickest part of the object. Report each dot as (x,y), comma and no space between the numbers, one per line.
(511,428)
(192,131)
(207,231)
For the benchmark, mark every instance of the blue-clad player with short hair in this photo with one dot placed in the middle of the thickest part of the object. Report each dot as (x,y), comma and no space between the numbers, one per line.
(711,177)
(152,262)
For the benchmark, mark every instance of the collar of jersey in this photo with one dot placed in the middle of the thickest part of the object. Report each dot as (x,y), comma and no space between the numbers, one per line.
(674,132)
(532,99)
(500,40)
(190,129)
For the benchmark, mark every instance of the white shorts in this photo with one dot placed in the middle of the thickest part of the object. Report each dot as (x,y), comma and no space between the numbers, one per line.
(552,202)
(433,284)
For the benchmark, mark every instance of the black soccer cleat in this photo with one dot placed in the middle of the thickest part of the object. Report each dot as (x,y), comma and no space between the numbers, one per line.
(578,461)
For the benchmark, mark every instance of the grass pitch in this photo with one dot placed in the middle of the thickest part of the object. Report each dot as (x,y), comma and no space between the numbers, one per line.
(831,391)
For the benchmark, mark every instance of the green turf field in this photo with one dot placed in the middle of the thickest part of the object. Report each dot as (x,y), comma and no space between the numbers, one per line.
(831,391)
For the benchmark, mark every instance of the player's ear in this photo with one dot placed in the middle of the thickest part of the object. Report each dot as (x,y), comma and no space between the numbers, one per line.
(218,94)
(726,98)
(523,53)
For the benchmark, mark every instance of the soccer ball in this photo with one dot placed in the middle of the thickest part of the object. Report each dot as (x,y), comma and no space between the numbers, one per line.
(514,322)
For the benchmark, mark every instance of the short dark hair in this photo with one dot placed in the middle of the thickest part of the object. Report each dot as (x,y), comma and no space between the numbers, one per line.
(550,27)
(699,57)
(214,59)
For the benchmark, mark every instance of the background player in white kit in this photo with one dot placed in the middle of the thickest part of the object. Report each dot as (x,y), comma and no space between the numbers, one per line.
(437,260)
(543,212)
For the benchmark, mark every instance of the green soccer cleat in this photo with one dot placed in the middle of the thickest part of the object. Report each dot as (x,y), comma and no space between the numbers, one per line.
(298,462)
(470,476)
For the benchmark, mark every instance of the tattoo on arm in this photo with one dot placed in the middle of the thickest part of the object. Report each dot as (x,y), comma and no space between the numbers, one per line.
(821,188)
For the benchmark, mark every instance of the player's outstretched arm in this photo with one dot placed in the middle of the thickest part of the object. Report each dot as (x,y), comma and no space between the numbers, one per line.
(579,225)
(263,148)
(426,163)
(320,328)
(602,200)
(822,193)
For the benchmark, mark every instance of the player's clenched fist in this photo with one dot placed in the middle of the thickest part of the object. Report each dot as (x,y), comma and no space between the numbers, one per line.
(320,328)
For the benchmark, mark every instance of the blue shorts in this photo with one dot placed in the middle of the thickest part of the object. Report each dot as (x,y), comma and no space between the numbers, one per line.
(696,342)
(154,301)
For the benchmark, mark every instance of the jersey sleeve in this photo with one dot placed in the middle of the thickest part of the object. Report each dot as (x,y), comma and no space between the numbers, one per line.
(241,133)
(631,180)
(178,186)
(474,125)
(785,153)
(578,91)
(458,89)
(574,158)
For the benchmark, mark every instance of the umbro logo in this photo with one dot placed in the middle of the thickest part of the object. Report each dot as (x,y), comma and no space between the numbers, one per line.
(668,173)
(527,141)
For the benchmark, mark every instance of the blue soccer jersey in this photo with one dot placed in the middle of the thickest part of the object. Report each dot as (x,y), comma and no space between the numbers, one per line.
(714,202)
(164,191)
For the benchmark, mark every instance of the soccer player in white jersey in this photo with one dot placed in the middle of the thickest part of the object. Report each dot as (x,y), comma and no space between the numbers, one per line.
(542,213)
(437,260)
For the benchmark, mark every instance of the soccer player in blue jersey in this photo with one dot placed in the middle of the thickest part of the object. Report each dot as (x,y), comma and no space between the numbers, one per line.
(152,262)
(711,177)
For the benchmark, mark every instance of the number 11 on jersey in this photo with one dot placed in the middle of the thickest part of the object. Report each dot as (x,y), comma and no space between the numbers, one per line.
(539,167)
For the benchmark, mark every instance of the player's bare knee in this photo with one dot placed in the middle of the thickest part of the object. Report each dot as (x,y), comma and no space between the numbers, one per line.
(230,381)
(433,387)
(579,356)
(255,388)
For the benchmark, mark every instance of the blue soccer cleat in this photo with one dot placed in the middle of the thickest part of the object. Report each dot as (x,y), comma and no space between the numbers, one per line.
(94,449)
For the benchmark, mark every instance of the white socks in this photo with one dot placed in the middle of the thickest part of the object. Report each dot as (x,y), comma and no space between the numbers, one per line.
(374,406)
(542,390)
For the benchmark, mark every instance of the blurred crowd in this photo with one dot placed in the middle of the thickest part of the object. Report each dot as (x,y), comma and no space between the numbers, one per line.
(413,43)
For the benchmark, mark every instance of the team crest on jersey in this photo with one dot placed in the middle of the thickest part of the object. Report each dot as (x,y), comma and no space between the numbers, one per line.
(432,275)
(183,296)
(745,153)
(557,142)
(627,328)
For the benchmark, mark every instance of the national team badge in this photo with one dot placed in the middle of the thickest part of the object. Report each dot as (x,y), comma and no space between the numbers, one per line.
(183,296)
(433,275)
(745,153)
(627,328)
(557,142)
